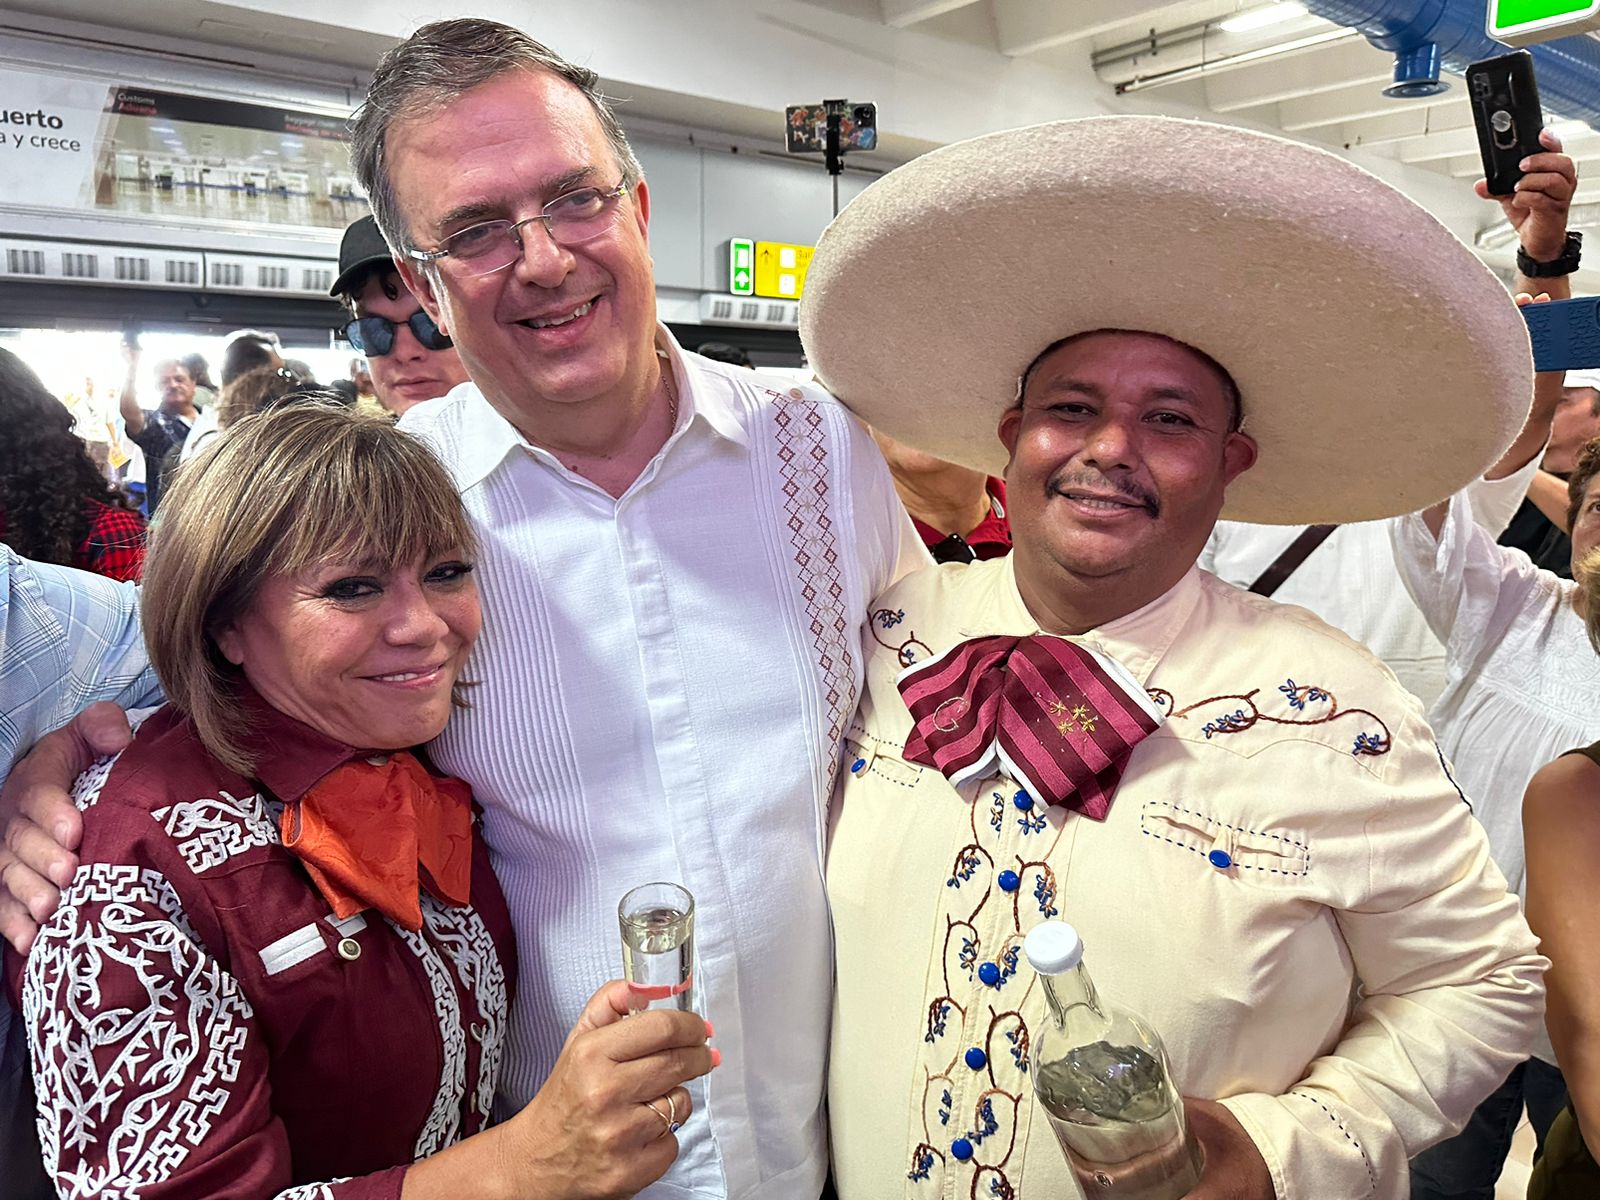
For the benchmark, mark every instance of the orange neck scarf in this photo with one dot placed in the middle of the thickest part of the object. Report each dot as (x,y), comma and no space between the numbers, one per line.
(371,834)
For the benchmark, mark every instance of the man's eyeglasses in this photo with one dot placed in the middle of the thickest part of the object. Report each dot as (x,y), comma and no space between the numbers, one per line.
(492,246)
(374,336)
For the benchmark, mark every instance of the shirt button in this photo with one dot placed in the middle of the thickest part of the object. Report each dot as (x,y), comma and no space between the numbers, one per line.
(1009,881)
(990,974)
(961,1149)
(349,949)
(1220,859)
(796,394)
(977,1059)
(1023,801)
(858,766)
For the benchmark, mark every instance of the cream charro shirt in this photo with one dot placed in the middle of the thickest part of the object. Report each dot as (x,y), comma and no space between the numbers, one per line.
(1353,861)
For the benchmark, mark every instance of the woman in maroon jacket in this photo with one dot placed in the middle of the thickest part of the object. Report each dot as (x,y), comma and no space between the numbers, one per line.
(282,966)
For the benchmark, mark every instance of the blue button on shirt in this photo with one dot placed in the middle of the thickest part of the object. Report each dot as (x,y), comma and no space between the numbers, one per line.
(67,639)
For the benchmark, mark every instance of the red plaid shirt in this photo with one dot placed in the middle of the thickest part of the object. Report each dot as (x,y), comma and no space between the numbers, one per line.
(115,544)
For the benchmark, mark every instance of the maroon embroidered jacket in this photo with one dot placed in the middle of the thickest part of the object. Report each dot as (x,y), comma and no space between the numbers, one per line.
(201,1026)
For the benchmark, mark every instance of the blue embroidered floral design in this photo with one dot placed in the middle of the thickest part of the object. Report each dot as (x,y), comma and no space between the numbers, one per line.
(1232,723)
(937,1019)
(1031,822)
(888,620)
(1008,964)
(921,1166)
(999,1187)
(1019,1049)
(1370,743)
(1045,893)
(997,812)
(966,866)
(987,1119)
(944,1107)
(1299,696)
(969,955)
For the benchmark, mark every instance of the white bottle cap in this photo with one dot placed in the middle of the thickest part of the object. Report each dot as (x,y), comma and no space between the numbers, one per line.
(1053,948)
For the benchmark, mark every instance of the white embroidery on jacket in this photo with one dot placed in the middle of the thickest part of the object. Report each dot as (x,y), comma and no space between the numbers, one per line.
(208,832)
(312,1191)
(131,1083)
(443,1126)
(86,790)
(467,941)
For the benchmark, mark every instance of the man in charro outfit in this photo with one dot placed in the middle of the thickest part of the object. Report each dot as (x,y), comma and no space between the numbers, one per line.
(1239,808)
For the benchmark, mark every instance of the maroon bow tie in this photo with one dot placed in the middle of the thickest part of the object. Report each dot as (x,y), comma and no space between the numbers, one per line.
(1060,718)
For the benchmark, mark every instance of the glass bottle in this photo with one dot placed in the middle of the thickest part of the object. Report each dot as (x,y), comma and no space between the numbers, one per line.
(1101,1075)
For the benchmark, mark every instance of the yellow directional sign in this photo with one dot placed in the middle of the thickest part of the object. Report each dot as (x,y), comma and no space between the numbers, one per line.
(781,269)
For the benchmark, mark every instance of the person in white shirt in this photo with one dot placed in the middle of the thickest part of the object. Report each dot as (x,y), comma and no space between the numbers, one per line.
(1349,579)
(1523,687)
(675,561)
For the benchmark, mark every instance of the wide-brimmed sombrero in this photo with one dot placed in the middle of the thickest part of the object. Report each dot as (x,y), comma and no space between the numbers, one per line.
(1381,364)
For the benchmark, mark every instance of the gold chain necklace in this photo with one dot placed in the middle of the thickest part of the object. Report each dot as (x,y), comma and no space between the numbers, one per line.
(671,384)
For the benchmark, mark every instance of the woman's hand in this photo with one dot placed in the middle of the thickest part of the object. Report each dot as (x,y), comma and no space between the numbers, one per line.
(598,1129)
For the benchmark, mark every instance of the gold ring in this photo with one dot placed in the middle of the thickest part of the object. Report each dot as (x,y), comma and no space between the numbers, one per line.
(671,1122)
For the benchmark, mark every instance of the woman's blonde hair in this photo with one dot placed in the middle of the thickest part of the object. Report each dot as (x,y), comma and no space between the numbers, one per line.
(1587,573)
(252,392)
(280,492)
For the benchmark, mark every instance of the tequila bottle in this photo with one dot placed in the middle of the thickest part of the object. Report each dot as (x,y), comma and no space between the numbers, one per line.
(1101,1075)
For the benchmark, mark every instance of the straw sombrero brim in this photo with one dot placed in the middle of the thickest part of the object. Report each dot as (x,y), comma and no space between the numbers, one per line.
(1382,365)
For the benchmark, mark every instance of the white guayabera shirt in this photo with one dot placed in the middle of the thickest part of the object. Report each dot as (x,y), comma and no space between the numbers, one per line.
(662,682)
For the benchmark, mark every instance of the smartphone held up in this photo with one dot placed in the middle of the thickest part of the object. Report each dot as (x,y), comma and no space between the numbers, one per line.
(1507,115)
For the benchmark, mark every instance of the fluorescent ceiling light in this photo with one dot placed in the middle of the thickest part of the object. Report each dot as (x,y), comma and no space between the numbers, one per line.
(1260,18)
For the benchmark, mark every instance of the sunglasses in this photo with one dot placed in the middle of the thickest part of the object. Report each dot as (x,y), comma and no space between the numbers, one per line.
(375,335)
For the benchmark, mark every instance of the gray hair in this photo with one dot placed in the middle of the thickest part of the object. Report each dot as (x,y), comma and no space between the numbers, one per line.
(437,65)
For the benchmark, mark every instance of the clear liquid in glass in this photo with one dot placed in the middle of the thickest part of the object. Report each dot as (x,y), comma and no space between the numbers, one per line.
(1120,1123)
(658,955)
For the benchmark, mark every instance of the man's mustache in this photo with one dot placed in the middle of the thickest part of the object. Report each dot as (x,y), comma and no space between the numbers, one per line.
(1067,480)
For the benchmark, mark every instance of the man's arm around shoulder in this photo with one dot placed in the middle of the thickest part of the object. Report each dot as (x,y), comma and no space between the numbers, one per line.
(67,640)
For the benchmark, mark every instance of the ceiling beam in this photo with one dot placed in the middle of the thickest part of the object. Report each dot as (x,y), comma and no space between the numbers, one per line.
(1417,124)
(903,13)
(1340,106)
(1438,146)
(1273,80)
(1028,26)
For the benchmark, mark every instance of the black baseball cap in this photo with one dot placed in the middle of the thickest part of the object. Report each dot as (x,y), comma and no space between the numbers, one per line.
(360,251)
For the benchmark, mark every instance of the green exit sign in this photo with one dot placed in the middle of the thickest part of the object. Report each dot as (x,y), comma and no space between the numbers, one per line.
(1524,22)
(742,266)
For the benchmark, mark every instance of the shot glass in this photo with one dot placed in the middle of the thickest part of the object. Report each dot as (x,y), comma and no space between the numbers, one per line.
(657,921)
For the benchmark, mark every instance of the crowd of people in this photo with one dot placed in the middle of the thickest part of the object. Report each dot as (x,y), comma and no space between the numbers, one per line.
(1163,611)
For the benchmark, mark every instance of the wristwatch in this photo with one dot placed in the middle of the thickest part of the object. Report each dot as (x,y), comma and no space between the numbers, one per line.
(1565,264)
